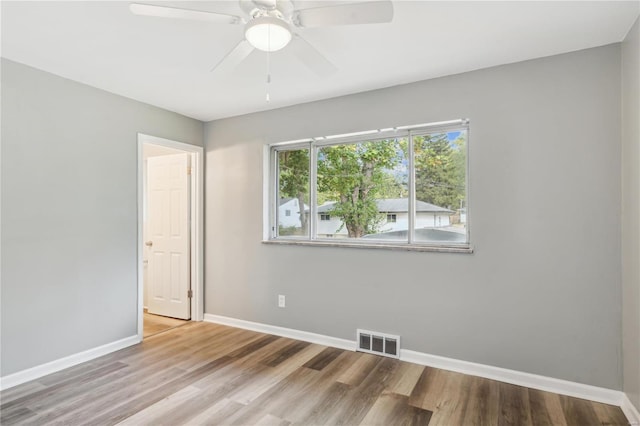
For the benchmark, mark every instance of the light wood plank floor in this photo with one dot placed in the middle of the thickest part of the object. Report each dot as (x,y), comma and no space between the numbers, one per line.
(204,373)
(154,324)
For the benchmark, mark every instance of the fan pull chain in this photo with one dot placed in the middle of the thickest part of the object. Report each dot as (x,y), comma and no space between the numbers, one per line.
(268,74)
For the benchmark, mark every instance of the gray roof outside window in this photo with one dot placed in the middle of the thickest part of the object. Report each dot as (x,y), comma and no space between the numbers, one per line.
(395,205)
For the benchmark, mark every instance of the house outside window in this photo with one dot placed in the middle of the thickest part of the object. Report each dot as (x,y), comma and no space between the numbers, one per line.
(402,186)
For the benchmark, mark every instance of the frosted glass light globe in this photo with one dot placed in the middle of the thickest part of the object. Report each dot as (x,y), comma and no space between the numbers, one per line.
(267,33)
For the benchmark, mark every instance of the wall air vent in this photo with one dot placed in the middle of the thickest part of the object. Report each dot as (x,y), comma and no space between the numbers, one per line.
(377,343)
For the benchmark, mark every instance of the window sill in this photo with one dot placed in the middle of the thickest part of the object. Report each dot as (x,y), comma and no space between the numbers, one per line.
(399,246)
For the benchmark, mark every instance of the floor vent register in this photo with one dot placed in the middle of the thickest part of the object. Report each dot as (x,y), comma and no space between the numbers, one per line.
(378,343)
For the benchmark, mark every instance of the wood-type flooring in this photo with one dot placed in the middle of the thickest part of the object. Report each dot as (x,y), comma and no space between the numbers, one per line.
(154,324)
(202,373)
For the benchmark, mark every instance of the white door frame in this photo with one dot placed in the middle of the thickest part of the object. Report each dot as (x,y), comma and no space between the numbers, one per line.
(197,229)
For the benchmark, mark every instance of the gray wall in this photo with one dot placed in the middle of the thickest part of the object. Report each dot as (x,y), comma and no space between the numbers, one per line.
(69,213)
(542,291)
(631,214)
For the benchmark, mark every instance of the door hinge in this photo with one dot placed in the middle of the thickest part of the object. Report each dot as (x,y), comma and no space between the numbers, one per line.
(190,294)
(189,170)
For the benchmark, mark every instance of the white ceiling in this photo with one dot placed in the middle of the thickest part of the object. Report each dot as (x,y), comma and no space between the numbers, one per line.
(166,62)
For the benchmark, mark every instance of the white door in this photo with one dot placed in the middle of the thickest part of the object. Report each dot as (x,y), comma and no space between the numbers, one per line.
(168,237)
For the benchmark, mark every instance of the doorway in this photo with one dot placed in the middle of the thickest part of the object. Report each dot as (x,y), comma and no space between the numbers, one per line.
(170,247)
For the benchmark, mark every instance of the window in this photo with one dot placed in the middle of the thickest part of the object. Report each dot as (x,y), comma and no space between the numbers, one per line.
(348,185)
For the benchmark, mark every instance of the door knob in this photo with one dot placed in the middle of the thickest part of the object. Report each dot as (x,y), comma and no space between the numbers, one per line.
(148,243)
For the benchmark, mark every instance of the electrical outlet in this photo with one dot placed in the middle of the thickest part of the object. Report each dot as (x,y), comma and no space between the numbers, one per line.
(281,301)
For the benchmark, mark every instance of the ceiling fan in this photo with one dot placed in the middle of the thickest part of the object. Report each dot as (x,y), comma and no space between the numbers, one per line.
(271,25)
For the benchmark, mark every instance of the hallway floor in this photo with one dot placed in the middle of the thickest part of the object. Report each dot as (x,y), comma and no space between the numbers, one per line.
(154,324)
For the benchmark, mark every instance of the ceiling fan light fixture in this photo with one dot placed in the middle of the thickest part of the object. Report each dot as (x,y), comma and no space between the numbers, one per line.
(267,33)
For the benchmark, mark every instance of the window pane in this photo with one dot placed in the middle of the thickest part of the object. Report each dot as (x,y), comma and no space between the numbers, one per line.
(293,193)
(362,191)
(440,167)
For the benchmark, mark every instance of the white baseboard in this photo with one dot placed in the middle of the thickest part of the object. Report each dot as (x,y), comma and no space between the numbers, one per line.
(282,331)
(629,410)
(534,381)
(38,371)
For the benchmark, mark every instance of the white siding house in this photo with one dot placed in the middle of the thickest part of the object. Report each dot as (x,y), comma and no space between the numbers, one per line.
(289,213)
(397,217)
(329,225)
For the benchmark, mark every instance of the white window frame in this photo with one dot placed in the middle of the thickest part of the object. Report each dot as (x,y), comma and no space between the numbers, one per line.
(313,145)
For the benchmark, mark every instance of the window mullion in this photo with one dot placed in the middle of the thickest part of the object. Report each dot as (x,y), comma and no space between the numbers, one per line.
(412,192)
(313,196)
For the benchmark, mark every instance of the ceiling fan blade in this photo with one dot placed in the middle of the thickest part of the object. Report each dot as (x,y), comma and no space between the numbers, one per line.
(178,13)
(310,56)
(370,12)
(232,59)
